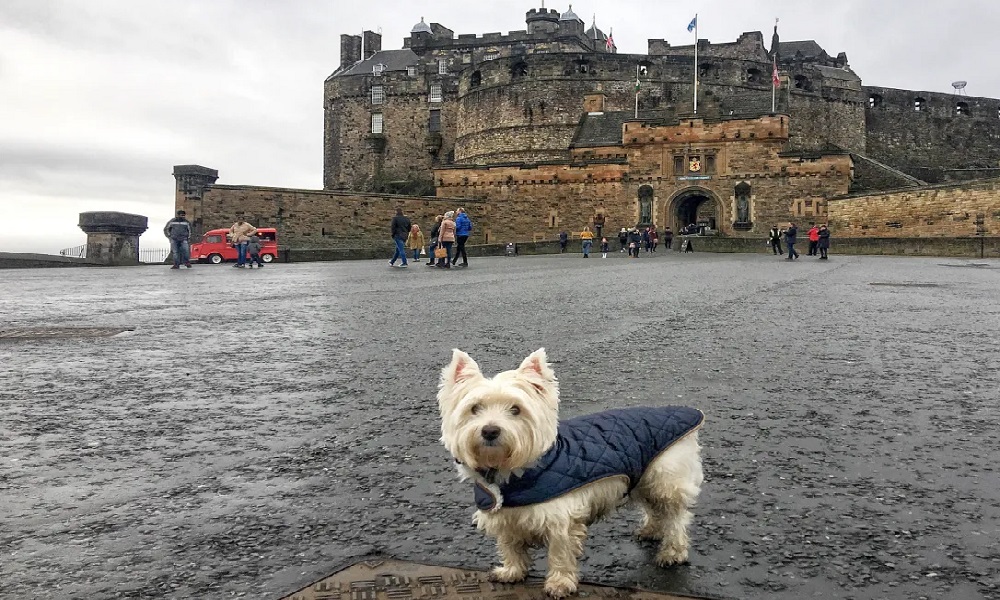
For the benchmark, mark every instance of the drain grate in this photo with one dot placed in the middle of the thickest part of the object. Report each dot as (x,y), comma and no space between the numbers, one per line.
(59,333)
(398,580)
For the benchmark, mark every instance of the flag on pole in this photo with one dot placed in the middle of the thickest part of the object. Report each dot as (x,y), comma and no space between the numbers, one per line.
(638,84)
(610,43)
(774,75)
(693,24)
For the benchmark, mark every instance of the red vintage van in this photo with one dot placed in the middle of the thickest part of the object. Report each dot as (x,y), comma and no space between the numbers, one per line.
(215,248)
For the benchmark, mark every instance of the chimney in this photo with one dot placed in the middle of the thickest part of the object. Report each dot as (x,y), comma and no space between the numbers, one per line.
(372,43)
(350,50)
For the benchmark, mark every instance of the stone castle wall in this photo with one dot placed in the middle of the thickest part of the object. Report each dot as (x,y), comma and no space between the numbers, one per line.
(938,136)
(935,211)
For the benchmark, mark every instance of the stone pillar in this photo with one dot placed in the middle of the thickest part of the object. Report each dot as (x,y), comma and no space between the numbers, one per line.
(113,237)
(350,50)
(192,183)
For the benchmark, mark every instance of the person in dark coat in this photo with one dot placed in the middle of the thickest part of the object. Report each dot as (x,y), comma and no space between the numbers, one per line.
(791,235)
(824,242)
(668,238)
(775,237)
(563,241)
(623,238)
(634,242)
(400,230)
(178,231)
(435,230)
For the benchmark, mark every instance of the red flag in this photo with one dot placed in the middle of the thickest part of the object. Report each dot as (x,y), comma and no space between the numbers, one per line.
(610,43)
(774,75)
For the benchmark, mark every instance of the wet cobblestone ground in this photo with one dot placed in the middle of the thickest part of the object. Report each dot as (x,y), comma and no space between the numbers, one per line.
(254,430)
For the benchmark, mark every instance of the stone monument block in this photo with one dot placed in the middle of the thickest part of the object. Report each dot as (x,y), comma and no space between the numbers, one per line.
(113,237)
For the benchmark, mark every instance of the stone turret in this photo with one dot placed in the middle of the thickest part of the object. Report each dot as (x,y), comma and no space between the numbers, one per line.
(113,237)
(542,20)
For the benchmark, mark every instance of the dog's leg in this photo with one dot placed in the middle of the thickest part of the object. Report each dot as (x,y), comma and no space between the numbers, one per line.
(565,545)
(515,557)
(668,489)
(652,525)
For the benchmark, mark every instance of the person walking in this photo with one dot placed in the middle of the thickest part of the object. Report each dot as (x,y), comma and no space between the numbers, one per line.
(654,237)
(668,238)
(253,252)
(399,228)
(813,240)
(178,231)
(587,237)
(446,238)
(623,239)
(634,243)
(435,231)
(239,235)
(604,247)
(645,239)
(790,238)
(463,229)
(775,237)
(824,242)
(563,242)
(415,241)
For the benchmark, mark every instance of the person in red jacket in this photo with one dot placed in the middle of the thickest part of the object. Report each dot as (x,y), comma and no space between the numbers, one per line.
(813,240)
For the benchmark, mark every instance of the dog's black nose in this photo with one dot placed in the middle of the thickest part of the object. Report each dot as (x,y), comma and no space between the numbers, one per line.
(491,432)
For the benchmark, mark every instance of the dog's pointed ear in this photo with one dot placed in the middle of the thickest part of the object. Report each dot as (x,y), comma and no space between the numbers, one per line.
(460,369)
(536,369)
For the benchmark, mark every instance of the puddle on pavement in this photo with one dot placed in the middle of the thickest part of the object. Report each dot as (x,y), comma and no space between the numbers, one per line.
(59,333)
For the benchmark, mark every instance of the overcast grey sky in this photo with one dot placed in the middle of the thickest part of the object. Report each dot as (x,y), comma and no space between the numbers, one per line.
(100,98)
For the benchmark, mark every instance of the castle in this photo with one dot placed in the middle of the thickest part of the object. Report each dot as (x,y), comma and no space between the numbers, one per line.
(550,128)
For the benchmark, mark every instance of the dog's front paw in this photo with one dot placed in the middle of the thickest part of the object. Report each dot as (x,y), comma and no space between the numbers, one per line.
(668,556)
(507,575)
(560,586)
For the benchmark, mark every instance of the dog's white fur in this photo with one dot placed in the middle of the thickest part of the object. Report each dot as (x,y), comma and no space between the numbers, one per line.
(468,402)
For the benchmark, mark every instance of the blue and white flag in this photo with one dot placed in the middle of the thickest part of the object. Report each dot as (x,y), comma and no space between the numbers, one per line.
(693,24)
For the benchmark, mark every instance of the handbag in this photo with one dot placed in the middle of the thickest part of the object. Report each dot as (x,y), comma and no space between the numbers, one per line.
(440,252)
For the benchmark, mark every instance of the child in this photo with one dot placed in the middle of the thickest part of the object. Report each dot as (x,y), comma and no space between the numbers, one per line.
(415,242)
(604,247)
(253,249)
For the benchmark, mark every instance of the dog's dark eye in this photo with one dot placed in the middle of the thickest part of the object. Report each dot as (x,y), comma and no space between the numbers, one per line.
(476,409)
(515,410)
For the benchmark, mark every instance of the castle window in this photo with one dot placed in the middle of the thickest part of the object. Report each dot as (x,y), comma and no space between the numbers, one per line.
(491,55)
(919,104)
(467,58)
(378,69)
(434,121)
(710,163)
(678,165)
(377,123)
(436,95)
(378,94)
(755,76)
(476,80)
(707,69)
(443,67)
(519,70)
(802,83)
(583,67)
(411,71)
(874,101)
(962,108)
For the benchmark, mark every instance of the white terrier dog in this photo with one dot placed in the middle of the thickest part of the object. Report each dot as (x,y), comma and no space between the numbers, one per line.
(539,482)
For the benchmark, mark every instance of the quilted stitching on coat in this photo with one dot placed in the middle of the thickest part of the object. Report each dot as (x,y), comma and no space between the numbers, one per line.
(592,447)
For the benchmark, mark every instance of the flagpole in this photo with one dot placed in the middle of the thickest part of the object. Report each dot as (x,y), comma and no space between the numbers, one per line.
(774,89)
(637,92)
(696,63)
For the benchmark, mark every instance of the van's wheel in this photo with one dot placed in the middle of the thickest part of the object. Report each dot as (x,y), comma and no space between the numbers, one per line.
(266,258)
(215,259)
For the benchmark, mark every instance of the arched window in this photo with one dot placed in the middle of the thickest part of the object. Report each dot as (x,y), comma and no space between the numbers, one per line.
(755,76)
(519,70)
(874,101)
(962,108)
(919,104)
(802,83)
(476,79)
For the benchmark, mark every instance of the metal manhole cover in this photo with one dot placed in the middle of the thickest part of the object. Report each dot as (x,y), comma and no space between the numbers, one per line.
(60,333)
(904,284)
(400,580)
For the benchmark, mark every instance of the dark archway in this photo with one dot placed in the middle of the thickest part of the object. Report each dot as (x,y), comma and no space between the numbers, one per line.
(694,205)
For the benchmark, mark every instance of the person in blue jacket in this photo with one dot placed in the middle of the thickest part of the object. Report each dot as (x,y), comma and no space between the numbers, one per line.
(463,227)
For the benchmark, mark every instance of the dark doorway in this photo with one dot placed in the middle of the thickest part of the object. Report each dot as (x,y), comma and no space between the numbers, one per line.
(698,209)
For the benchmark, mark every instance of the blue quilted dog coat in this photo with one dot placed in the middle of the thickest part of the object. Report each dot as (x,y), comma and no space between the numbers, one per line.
(592,447)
